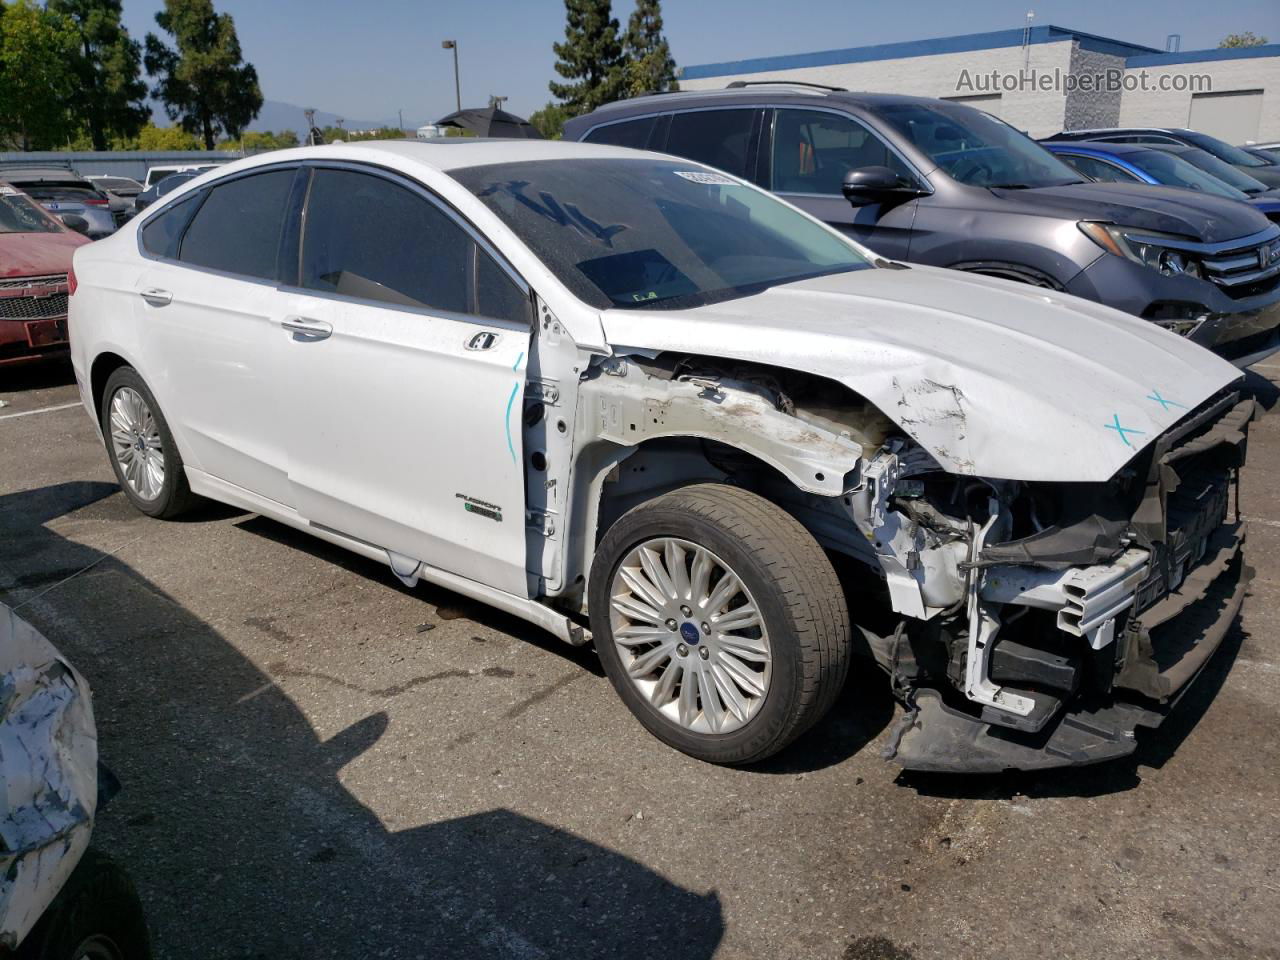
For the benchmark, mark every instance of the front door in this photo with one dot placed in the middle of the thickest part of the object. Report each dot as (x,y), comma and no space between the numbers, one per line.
(407,347)
(810,152)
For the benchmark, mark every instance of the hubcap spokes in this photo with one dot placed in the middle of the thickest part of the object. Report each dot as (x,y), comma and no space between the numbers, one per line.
(135,438)
(690,635)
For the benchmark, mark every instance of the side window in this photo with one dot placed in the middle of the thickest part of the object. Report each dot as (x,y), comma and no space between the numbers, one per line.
(367,237)
(497,294)
(718,138)
(629,133)
(237,228)
(160,234)
(1098,169)
(813,150)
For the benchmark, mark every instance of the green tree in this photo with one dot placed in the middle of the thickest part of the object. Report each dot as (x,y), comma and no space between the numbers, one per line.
(36,82)
(1246,39)
(550,120)
(334,134)
(108,68)
(152,137)
(203,81)
(648,64)
(259,141)
(590,57)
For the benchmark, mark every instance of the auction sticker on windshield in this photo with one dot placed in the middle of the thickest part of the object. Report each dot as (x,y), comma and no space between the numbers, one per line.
(702,176)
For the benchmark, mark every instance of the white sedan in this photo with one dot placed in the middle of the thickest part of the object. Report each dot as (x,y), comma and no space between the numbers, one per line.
(642,403)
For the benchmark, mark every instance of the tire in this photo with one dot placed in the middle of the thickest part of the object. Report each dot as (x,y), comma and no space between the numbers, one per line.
(152,444)
(796,657)
(96,916)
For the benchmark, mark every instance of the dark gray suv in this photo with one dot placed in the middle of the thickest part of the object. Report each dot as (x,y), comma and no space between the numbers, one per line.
(943,184)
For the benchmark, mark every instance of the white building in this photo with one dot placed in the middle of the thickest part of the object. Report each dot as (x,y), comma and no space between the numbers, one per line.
(1048,79)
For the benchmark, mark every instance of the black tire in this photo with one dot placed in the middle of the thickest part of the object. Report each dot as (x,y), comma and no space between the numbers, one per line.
(794,586)
(96,915)
(175,496)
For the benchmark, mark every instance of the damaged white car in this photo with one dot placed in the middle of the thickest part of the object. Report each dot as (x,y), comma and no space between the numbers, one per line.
(642,403)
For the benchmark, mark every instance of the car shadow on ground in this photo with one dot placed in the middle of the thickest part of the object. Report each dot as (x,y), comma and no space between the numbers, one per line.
(37,376)
(235,822)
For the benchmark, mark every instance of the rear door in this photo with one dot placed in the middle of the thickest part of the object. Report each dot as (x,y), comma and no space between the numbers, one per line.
(807,154)
(407,344)
(210,317)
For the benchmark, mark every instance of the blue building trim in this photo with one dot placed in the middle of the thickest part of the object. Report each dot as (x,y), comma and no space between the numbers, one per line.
(966,43)
(1203,56)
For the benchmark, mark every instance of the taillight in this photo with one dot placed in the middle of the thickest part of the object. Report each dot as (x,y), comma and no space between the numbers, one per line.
(96,201)
(71,281)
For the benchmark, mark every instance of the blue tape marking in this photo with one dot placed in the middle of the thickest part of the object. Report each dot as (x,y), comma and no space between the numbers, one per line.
(1155,395)
(1115,425)
(511,400)
(516,365)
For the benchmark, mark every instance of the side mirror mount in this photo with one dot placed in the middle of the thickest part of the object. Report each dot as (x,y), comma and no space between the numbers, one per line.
(865,185)
(78,224)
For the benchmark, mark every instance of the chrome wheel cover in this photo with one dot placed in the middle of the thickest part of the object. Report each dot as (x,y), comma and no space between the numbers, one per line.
(690,635)
(135,441)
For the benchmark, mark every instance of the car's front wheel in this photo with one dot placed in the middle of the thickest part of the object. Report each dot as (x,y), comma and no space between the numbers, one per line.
(720,622)
(141,447)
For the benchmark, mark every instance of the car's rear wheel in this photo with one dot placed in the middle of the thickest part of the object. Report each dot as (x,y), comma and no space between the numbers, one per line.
(720,622)
(141,447)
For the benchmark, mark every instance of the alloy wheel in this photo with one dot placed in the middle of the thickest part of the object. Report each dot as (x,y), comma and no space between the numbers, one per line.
(135,440)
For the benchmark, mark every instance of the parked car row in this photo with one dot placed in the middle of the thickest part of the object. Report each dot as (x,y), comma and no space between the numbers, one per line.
(644,403)
(941,183)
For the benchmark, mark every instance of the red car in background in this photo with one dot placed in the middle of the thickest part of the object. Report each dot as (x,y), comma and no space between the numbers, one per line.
(35,261)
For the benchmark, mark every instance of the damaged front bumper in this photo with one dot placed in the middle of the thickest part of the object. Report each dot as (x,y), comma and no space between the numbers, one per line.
(48,774)
(1051,663)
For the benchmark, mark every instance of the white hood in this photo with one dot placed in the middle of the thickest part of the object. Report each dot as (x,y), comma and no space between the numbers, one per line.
(994,378)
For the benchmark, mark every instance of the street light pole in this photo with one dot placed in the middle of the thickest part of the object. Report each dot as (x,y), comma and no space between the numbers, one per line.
(457,84)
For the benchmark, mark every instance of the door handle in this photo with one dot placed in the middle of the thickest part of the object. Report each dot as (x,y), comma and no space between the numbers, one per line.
(304,328)
(157,297)
(481,341)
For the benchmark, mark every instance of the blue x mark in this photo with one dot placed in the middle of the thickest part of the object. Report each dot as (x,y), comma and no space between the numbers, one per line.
(1123,431)
(1155,395)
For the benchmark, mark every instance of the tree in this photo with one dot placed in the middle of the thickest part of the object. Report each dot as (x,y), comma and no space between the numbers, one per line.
(259,141)
(550,120)
(204,83)
(36,82)
(152,137)
(108,68)
(590,57)
(649,67)
(1246,39)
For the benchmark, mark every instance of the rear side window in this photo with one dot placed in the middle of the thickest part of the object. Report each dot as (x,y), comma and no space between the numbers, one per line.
(1099,169)
(813,150)
(160,234)
(629,133)
(369,238)
(718,138)
(237,228)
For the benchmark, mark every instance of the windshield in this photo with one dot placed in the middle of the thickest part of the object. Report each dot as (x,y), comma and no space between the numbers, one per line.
(117,184)
(655,234)
(1222,170)
(976,148)
(1221,149)
(1174,171)
(20,215)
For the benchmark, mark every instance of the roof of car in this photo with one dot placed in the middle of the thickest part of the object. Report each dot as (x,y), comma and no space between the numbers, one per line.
(756,92)
(37,173)
(1102,146)
(448,153)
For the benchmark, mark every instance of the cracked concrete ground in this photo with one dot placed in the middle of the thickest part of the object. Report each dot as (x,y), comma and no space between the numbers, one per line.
(317,762)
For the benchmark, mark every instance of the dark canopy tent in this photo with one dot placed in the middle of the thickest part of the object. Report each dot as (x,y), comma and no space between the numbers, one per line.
(491,122)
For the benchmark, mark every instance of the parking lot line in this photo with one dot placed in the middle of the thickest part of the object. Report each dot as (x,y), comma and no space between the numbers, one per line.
(30,413)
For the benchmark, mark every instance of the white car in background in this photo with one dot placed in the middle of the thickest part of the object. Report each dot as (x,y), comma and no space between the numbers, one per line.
(642,403)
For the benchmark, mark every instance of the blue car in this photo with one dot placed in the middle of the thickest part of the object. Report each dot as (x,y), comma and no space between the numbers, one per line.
(1171,165)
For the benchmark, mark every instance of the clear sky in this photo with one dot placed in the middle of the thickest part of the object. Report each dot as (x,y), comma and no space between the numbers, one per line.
(367,59)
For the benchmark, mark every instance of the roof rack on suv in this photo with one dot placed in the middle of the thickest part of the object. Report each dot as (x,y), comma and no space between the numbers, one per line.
(735,84)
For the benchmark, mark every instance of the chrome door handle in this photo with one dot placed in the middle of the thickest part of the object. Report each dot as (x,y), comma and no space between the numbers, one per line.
(305,328)
(157,297)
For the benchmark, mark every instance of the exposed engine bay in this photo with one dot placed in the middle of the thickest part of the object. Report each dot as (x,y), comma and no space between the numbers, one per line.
(1029,624)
